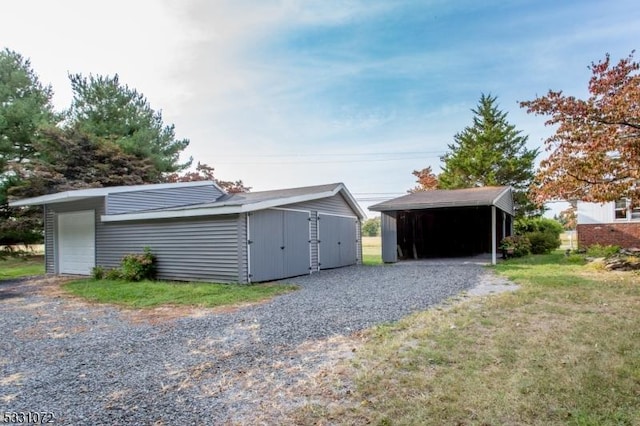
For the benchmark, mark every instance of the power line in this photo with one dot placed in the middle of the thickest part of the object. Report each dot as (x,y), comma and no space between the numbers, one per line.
(313,158)
(337,154)
(373,160)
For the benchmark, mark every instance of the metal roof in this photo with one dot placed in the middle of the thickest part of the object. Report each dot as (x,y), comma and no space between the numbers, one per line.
(439,198)
(245,202)
(81,194)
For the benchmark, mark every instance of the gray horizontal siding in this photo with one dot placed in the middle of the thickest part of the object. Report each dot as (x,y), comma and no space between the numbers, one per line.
(126,202)
(505,203)
(204,249)
(242,249)
(334,205)
(359,242)
(49,261)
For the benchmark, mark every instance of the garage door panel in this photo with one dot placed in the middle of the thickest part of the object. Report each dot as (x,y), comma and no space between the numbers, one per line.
(76,242)
(297,260)
(348,244)
(265,233)
(329,247)
(338,246)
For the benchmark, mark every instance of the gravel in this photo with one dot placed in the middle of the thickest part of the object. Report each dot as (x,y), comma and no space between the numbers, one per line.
(91,364)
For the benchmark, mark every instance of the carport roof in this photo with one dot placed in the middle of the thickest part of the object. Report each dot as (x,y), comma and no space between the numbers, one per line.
(439,198)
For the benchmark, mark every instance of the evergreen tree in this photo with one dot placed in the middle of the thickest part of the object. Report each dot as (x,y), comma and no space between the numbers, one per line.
(69,159)
(25,110)
(107,109)
(488,153)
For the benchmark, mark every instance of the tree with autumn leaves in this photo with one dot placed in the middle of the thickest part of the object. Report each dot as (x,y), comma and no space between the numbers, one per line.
(427,180)
(595,151)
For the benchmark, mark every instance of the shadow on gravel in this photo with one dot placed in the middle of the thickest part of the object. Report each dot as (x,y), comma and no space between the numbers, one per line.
(4,295)
(15,287)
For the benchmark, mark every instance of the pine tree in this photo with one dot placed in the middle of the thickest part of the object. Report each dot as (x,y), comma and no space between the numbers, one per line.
(105,108)
(25,110)
(488,153)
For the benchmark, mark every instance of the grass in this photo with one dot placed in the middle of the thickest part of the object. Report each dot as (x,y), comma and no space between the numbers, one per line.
(149,294)
(16,267)
(564,349)
(372,250)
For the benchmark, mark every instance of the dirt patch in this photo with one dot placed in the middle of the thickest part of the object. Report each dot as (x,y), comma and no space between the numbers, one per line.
(491,283)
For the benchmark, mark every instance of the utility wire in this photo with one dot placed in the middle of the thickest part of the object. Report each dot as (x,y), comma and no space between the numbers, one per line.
(337,154)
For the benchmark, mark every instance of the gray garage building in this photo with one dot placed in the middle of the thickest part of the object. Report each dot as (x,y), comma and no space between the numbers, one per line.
(199,232)
(445,223)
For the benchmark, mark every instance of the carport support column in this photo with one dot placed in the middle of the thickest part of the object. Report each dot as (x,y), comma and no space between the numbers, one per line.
(493,235)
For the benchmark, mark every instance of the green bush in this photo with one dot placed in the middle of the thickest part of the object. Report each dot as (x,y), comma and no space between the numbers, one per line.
(597,250)
(113,274)
(98,272)
(526,225)
(138,267)
(542,232)
(519,244)
(543,242)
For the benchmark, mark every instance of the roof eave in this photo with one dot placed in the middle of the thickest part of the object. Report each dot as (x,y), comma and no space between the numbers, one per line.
(83,194)
(233,209)
(62,197)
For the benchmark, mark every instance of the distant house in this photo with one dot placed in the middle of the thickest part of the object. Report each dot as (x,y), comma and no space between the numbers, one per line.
(198,232)
(612,223)
(445,223)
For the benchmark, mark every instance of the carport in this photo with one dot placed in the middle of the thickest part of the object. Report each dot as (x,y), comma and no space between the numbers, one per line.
(445,223)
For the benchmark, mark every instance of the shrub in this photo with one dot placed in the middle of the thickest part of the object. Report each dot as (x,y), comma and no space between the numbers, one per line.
(138,267)
(113,274)
(526,225)
(576,259)
(520,245)
(543,241)
(597,250)
(98,272)
(543,233)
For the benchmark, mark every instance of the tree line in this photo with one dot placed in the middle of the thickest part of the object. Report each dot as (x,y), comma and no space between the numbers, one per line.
(109,136)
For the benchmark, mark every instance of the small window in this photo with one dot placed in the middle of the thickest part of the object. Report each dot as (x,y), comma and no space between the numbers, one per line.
(621,209)
(635,212)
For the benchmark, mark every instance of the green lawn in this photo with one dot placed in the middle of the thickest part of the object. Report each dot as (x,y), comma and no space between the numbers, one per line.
(564,349)
(371,251)
(147,294)
(16,267)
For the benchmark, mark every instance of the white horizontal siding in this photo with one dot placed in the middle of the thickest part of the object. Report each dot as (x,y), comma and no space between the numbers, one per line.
(594,213)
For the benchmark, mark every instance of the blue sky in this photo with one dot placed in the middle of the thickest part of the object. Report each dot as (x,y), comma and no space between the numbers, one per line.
(291,93)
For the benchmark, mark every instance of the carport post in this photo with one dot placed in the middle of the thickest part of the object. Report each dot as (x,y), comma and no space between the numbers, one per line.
(493,235)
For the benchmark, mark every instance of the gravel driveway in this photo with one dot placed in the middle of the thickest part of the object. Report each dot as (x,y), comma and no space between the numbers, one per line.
(92,364)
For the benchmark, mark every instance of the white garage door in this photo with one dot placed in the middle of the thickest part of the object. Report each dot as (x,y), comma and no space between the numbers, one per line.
(76,242)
